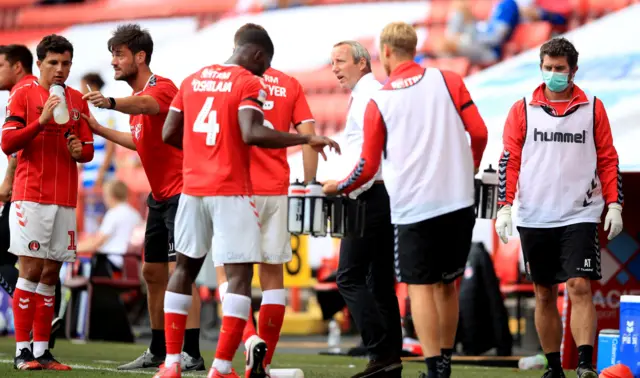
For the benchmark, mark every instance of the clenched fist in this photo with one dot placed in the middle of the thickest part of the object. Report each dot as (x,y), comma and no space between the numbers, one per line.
(75,146)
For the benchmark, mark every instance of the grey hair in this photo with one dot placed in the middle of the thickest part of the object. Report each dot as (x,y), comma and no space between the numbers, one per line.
(358,51)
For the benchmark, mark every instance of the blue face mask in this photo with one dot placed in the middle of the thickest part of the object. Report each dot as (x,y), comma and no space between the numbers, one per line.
(556,81)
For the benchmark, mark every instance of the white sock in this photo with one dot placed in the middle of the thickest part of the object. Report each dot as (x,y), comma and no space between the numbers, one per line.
(39,347)
(171,359)
(222,366)
(222,290)
(22,345)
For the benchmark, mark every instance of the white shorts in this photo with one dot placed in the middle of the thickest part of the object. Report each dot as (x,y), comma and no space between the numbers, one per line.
(43,231)
(275,237)
(232,219)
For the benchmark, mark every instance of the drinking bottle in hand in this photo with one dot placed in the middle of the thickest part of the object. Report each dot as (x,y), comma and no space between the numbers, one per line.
(60,113)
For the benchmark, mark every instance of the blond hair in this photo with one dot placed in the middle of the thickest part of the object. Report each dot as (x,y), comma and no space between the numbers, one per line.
(400,37)
(118,190)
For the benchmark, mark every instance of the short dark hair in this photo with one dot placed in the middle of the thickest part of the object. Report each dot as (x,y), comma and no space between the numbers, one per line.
(94,80)
(53,43)
(135,38)
(18,53)
(254,35)
(245,28)
(560,47)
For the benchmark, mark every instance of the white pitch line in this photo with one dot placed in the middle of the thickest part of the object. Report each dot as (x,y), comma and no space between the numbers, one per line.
(111,370)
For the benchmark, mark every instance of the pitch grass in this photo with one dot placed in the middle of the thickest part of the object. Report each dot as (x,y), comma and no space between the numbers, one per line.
(101,359)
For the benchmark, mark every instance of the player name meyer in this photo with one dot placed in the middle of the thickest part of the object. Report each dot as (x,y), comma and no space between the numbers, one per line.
(555,136)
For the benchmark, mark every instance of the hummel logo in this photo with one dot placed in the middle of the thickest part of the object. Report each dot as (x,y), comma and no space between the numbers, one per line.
(24,300)
(24,307)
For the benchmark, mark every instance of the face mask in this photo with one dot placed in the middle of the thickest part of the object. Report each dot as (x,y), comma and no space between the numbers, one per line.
(556,81)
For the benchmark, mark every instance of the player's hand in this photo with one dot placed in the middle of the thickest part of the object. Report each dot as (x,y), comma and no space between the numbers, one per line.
(5,192)
(330,187)
(93,124)
(47,109)
(318,143)
(75,146)
(613,220)
(97,99)
(503,223)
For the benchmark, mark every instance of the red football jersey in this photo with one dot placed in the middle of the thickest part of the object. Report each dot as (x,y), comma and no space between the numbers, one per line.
(216,159)
(46,173)
(161,162)
(287,105)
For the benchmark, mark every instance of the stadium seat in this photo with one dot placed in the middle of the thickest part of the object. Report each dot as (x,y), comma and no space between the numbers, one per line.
(482,9)
(438,12)
(25,36)
(9,4)
(434,36)
(459,65)
(319,80)
(598,8)
(114,10)
(527,36)
(329,108)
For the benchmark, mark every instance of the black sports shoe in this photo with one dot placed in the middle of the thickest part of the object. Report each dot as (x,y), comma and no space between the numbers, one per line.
(381,368)
(26,361)
(553,374)
(256,352)
(48,362)
(586,372)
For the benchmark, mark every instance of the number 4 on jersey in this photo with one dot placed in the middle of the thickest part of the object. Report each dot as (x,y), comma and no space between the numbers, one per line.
(207,122)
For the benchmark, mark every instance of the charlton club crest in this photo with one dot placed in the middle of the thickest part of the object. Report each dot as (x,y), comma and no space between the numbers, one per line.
(34,246)
(75,114)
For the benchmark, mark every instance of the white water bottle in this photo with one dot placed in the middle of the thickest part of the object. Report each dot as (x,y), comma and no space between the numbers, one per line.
(286,373)
(60,112)
(315,215)
(333,340)
(296,207)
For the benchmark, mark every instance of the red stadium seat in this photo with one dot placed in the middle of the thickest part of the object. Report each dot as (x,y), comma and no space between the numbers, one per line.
(459,65)
(481,9)
(25,37)
(4,4)
(115,10)
(434,36)
(329,109)
(598,8)
(438,12)
(527,36)
(319,80)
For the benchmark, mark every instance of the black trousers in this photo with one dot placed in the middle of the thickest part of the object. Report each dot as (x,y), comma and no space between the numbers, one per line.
(366,278)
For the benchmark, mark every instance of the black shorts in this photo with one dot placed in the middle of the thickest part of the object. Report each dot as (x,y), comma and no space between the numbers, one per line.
(6,258)
(158,237)
(434,250)
(553,255)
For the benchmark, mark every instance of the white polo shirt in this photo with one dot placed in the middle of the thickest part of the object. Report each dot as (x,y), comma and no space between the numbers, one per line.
(354,128)
(118,225)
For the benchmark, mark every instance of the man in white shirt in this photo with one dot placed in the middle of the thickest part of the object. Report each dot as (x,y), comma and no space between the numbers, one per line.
(417,127)
(117,226)
(365,276)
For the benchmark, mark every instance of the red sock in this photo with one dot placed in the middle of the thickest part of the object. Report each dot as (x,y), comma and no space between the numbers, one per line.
(24,309)
(229,338)
(45,309)
(174,328)
(269,326)
(249,329)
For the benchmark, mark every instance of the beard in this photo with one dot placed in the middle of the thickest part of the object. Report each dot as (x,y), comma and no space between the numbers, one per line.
(127,74)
